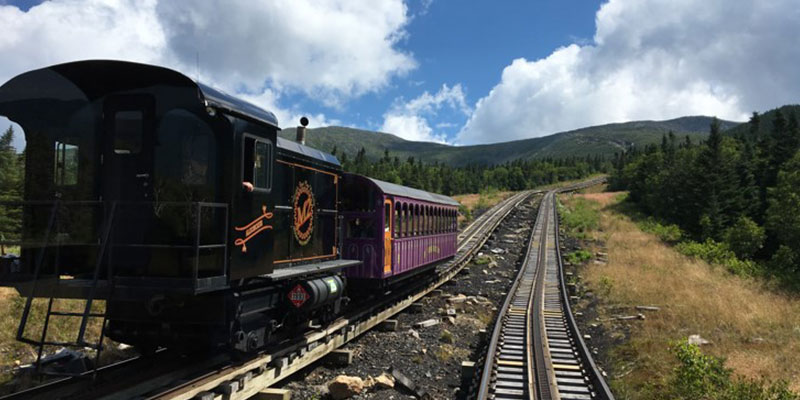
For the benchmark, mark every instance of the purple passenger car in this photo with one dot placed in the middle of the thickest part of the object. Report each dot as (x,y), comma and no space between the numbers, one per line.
(396,231)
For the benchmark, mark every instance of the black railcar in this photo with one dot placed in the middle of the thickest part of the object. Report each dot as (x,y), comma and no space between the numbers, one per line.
(175,202)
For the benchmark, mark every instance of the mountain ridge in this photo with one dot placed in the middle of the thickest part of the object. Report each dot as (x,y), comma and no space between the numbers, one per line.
(603,139)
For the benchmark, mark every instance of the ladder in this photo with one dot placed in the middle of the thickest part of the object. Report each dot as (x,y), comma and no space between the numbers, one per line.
(80,341)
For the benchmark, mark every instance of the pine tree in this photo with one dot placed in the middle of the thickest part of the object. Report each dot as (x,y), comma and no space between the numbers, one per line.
(10,187)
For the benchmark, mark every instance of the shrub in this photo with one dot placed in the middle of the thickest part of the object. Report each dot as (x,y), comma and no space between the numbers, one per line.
(578,256)
(784,260)
(717,253)
(669,233)
(744,237)
(580,217)
(701,376)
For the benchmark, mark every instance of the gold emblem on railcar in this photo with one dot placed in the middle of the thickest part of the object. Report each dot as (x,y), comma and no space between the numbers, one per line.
(303,213)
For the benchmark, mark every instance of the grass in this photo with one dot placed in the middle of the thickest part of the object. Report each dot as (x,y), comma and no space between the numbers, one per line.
(756,329)
(579,218)
(61,328)
(475,203)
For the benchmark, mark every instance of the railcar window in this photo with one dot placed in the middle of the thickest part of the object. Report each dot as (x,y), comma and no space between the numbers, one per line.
(66,165)
(406,221)
(128,131)
(257,167)
(387,217)
(361,228)
(397,219)
(261,169)
(195,156)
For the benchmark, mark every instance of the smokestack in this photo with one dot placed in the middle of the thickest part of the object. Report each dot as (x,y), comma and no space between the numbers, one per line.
(301,131)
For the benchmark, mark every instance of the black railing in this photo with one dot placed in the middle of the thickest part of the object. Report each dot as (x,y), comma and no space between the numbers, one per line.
(177,244)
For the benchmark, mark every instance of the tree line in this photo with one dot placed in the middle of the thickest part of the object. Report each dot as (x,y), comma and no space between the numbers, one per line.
(11,181)
(739,191)
(449,180)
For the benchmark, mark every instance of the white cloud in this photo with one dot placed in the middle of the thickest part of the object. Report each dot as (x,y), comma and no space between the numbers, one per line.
(650,59)
(330,50)
(287,117)
(409,120)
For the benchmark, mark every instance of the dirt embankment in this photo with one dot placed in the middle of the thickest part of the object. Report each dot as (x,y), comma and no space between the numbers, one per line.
(756,329)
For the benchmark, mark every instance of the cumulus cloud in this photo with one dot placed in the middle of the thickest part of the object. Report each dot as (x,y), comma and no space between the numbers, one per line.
(409,120)
(287,117)
(329,50)
(650,59)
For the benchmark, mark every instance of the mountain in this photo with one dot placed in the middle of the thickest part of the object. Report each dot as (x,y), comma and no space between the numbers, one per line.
(603,139)
(765,126)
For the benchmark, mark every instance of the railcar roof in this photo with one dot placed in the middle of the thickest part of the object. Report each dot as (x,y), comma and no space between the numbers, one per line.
(399,190)
(293,146)
(91,79)
(235,105)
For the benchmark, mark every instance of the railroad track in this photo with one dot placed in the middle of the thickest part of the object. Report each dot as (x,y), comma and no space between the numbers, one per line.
(222,377)
(536,350)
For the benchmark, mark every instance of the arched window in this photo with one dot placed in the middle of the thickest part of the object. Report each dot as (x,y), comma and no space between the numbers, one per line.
(406,220)
(398,217)
(451,221)
(415,220)
(427,228)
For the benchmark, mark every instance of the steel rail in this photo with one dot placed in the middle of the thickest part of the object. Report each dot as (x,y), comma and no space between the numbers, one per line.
(536,350)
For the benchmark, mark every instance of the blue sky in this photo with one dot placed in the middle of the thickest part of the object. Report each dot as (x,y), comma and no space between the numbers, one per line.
(469,43)
(458,72)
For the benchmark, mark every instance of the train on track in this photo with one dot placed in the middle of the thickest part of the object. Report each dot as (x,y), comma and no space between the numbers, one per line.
(181,207)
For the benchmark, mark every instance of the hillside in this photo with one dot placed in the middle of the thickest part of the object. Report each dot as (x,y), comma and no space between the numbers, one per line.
(765,126)
(602,139)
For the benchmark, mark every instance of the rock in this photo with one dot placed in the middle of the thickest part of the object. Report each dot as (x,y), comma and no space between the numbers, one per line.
(426,323)
(630,317)
(384,381)
(498,251)
(447,337)
(482,299)
(369,382)
(459,298)
(343,387)
(451,320)
(757,340)
(697,340)
(413,333)
(599,262)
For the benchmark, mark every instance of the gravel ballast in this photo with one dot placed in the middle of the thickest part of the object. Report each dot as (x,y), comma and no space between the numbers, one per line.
(430,354)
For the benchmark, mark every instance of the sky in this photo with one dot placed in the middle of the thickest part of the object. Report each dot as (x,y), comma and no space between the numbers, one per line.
(456,72)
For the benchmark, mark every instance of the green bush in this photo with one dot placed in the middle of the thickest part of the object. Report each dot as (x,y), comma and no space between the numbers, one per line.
(668,233)
(785,260)
(717,253)
(463,210)
(580,217)
(701,376)
(744,237)
(578,256)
